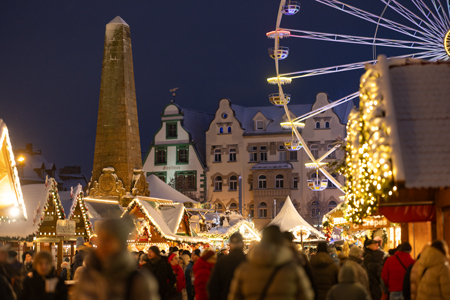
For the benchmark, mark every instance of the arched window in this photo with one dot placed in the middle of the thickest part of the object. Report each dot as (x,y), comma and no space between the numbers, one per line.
(262,184)
(314,150)
(330,183)
(232,183)
(217,155)
(234,206)
(221,130)
(327,124)
(229,129)
(279,181)
(317,125)
(331,205)
(218,183)
(232,155)
(219,207)
(262,210)
(315,212)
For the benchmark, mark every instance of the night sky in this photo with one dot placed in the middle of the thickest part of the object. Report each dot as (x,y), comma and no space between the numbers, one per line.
(51,57)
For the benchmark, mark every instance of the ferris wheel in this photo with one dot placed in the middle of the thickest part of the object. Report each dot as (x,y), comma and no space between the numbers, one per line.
(427,36)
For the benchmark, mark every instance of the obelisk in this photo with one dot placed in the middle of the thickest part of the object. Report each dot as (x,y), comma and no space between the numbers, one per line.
(117,146)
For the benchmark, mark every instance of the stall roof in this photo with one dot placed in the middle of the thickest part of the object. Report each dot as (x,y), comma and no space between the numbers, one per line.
(160,189)
(172,215)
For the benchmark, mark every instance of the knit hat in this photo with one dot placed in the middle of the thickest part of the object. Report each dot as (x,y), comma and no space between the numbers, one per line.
(406,247)
(272,235)
(322,247)
(207,254)
(355,251)
(119,228)
(155,250)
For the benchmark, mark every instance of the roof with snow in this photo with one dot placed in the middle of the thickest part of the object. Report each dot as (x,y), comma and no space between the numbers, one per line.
(172,215)
(289,219)
(103,210)
(420,95)
(161,190)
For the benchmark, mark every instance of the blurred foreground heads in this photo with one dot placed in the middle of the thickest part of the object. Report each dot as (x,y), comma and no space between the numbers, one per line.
(111,270)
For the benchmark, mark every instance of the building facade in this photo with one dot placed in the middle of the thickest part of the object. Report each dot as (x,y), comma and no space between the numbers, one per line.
(177,153)
(248,143)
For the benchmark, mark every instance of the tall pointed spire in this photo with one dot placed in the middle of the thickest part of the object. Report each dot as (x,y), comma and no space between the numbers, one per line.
(117,145)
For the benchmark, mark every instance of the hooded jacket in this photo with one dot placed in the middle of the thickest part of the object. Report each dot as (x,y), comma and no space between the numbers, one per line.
(361,274)
(393,272)
(202,273)
(433,276)
(347,286)
(251,276)
(373,261)
(325,272)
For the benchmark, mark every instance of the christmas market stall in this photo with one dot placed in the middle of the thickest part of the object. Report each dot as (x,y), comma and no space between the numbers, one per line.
(397,152)
(160,224)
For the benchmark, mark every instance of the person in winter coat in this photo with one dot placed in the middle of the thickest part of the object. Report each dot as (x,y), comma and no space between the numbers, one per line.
(373,261)
(355,261)
(111,272)
(43,284)
(163,272)
(7,291)
(394,270)
(188,274)
(343,255)
(65,271)
(220,281)
(82,251)
(410,291)
(27,267)
(334,256)
(202,273)
(347,288)
(325,271)
(271,269)
(433,273)
(174,261)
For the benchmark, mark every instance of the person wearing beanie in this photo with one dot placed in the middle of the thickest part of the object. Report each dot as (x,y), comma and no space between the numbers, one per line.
(355,261)
(188,274)
(202,273)
(270,271)
(27,267)
(324,270)
(179,274)
(348,288)
(220,281)
(65,271)
(373,263)
(394,271)
(111,271)
(82,250)
(163,272)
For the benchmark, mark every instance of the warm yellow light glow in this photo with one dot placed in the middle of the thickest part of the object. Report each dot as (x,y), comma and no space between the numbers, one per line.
(288,125)
(447,43)
(283,80)
(21,159)
(312,165)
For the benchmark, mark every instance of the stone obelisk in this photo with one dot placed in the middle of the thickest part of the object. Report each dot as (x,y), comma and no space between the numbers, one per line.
(117,158)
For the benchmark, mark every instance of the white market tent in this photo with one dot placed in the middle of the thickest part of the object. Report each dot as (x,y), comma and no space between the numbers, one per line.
(288,219)
(161,190)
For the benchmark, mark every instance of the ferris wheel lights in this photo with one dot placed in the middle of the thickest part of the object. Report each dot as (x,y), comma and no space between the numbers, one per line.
(291,8)
(288,125)
(277,100)
(280,53)
(278,33)
(317,184)
(312,165)
(282,80)
(293,145)
(447,43)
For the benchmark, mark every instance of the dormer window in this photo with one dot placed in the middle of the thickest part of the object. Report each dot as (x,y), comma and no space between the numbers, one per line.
(327,124)
(221,130)
(317,125)
(229,129)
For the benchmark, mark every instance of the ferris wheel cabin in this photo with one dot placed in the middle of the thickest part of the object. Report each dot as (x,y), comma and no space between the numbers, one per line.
(277,100)
(291,8)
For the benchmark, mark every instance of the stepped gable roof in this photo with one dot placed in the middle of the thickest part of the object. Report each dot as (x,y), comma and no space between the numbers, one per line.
(343,111)
(420,95)
(36,161)
(288,218)
(161,190)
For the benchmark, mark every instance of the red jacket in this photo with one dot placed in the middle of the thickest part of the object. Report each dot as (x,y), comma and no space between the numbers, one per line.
(202,272)
(181,281)
(393,272)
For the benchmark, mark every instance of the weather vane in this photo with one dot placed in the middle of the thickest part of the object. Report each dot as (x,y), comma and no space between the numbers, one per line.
(174,94)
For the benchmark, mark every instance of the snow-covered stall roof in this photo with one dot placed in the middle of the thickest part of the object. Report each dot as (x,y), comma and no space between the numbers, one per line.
(223,233)
(104,209)
(161,190)
(12,206)
(288,219)
(153,214)
(173,215)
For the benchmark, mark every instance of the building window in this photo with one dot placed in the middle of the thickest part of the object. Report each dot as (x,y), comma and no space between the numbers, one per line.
(330,183)
(282,155)
(186,180)
(217,155)
(253,157)
(314,150)
(293,155)
(279,181)
(263,156)
(234,207)
(317,125)
(221,130)
(332,154)
(295,185)
(219,207)
(315,212)
(327,124)
(171,130)
(229,130)
(262,182)
(182,154)
(160,175)
(259,125)
(332,205)
(252,148)
(263,148)
(232,155)
(262,210)
(233,183)
(160,155)
(252,211)
(218,183)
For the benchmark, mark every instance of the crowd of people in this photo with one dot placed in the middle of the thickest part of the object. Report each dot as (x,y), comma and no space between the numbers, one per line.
(274,268)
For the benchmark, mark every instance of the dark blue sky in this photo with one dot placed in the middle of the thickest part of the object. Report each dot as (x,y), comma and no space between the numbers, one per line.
(51,57)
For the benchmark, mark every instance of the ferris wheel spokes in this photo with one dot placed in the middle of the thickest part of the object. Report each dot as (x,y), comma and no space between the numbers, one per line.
(423,8)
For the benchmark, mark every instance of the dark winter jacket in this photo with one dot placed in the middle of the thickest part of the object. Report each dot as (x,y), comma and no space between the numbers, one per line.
(188,277)
(407,283)
(373,262)
(26,268)
(251,276)
(325,272)
(393,271)
(6,290)
(347,288)
(163,272)
(34,288)
(78,260)
(117,279)
(220,281)
(202,273)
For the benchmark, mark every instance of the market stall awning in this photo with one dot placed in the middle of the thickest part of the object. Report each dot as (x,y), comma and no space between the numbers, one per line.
(161,190)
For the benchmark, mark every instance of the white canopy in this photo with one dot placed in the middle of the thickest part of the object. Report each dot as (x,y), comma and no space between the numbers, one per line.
(161,190)
(288,219)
